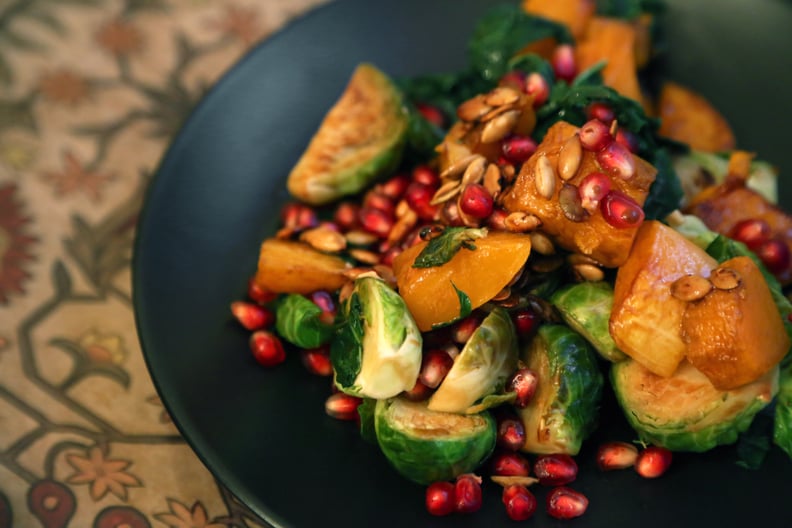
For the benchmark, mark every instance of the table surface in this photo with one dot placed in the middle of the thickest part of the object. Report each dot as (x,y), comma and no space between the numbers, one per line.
(91,93)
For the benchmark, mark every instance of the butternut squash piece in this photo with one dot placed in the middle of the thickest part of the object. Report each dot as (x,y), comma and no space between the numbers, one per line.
(646,319)
(574,14)
(611,40)
(480,273)
(688,117)
(287,266)
(593,236)
(735,336)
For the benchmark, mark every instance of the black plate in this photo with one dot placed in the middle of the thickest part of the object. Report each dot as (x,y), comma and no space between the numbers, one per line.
(264,432)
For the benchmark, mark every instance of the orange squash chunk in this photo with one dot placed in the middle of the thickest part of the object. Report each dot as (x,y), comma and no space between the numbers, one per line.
(735,336)
(593,236)
(574,14)
(688,117)
(646,319)
(613,41)
(480,273)
(287,266)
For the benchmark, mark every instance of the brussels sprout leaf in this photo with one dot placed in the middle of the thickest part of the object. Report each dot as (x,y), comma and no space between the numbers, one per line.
(367,426)
(297,321)
(782,430)
(442,248)
(346,351)
(753,444)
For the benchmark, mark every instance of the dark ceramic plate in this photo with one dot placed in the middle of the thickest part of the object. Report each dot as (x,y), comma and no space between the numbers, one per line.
(264,432)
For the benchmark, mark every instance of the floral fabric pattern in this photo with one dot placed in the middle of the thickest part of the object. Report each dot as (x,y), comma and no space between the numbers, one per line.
(91,94)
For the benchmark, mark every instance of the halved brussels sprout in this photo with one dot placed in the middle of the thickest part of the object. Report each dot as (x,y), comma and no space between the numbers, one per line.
(586,308)
(698,169)
(782,424)
(684,412)
(487,360)
(376,352)
(427,446)
(564,410)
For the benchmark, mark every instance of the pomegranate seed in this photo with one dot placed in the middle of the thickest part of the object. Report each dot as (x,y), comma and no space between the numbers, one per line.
(616,455)
(592,189)
(525,321)
(378,200)
(601,112)
(517,149)
(653,461)
(317,361)
(395,187)
(621,211)
(617,160)
(440,498)
(497,219)
(463,329)
(450,214)
(432,114)
(515,79)
(390,254)
(555,470)
(252,316)
(566,503)
(418,197)
(627,139)
(258,294)
(435,365)
(519,501)
(376,221)
(426,175)
(298,216)
(774,254)
(419,392)
(346,216)
(753,232)
(511,433)
(476,201)
(267,348)
(342,406)
(468,493)
(563,61)
(510,464)
(523,383)
(536,85)
(595,135)
(325,302)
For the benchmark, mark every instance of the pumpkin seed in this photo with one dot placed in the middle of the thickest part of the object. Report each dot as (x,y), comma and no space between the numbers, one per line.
(588,272)
(475,171)
(324,239)
(571,205)
(357,237)
(502,95)
(725,278)
(499,127)
(492,178)
(446,191)
(544,178)
(570,157)
(455,170)
(690,288)
(542,244)
(473,109)
(521,222)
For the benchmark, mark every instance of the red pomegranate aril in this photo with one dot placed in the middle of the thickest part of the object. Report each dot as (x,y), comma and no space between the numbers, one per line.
(476,201)
(441,498)
(376,221)
(378,200)
(467,493)
(395,187)
(462,330)
(621,211)
(432,114)
(555,470)
(342,406)
(390,254)
(753,232)
(298,216)
(774,254)
(325,302)
(595,135)
(520,503)
(616,455)
(426,175)
(563,62)
(510,464)
(536,85)
(419,392)
(497,219)
(592,189)
(523,382)
(514,78)
(511,433)
(525,321)
(653,461)
(258,294)
(517,149)
(346,216)
(565,503)
(252,316)
(317,361)
(601,112)
(267,348)
(617,160)
(627,139)
(418,197)
(435,365)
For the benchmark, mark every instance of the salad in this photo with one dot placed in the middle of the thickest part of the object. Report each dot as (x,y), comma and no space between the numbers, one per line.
(475,258)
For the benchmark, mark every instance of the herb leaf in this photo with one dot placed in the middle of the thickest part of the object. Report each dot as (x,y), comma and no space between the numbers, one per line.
(442,248)
(464,302)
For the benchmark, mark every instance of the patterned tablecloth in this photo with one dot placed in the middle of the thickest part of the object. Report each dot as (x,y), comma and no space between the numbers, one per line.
(91,92)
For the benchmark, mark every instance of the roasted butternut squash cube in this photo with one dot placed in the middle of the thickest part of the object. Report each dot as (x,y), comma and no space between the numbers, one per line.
(592,236)
(688,117)
(646,319)
(287,266)
(574,14)
(735,336)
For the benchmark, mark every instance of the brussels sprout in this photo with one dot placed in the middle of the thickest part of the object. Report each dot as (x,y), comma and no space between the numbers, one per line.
(692,228)
(564,410)
(697,170)
(488,358)
(426,446)
(684,412)
(586,308)
(376,352)
(782,426)
(297,320)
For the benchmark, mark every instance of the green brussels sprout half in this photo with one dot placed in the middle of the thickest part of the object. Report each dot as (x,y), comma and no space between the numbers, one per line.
(376,352)
(565,408)
(782,426)
(586,308)
(697,169)
(427,446)
(488,358)
(684,412)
